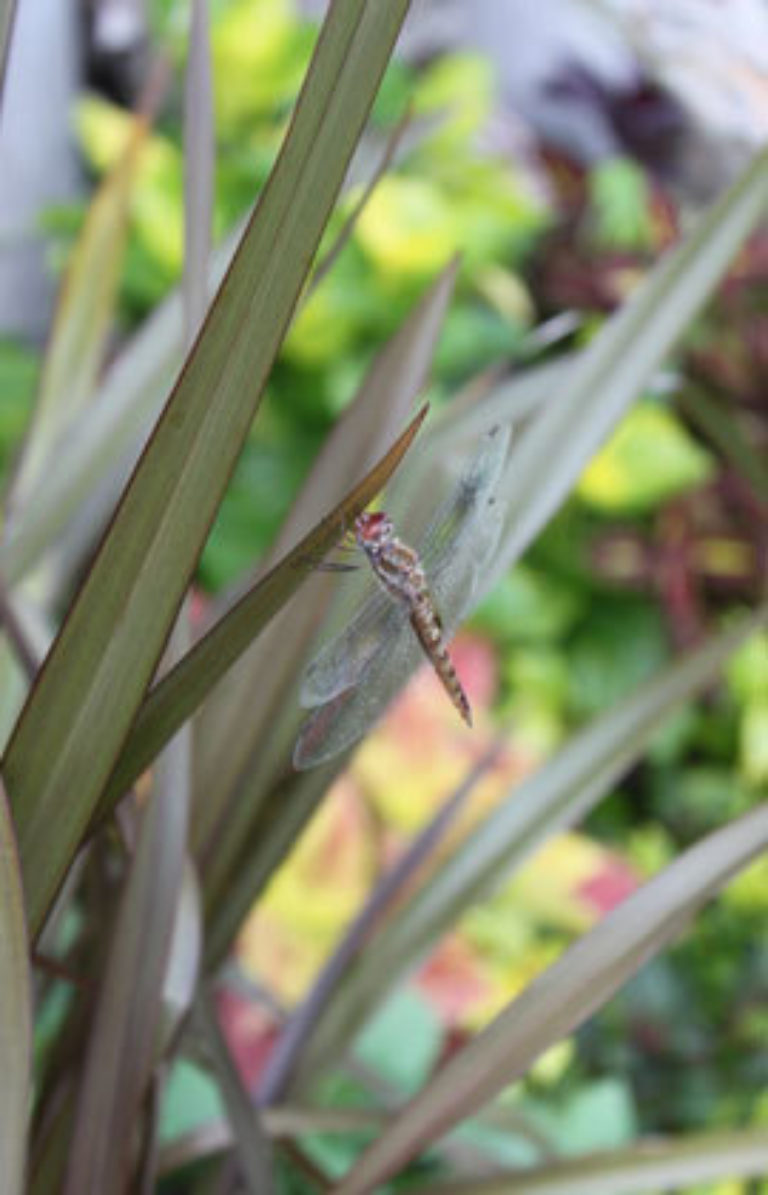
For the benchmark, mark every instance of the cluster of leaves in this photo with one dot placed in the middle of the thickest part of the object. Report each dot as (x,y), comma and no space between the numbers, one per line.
(442,199)
(666,528)
(590,613)
(130,917)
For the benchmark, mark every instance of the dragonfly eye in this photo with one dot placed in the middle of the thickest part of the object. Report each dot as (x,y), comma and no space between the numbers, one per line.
(373,528)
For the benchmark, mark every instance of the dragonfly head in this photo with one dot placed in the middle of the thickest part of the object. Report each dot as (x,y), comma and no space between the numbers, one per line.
(373,530)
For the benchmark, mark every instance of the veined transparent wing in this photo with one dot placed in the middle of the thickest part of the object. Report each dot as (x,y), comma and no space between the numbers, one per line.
(343,660)
(356,675)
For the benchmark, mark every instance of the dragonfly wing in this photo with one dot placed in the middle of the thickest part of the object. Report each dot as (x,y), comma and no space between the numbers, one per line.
(345,718)
(326,732)
(457,529)
(462,546)
(343,660)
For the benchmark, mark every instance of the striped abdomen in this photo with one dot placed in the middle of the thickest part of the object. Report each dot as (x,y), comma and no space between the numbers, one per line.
(427,627)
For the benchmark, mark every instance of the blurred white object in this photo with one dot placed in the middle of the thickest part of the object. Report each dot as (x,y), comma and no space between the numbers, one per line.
(582,75)
(530,46)
(118,26)
(712,55)
(38,162)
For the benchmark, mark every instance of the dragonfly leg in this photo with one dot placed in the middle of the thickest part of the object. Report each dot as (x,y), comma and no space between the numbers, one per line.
(318,563)
(334,566)
(348,541)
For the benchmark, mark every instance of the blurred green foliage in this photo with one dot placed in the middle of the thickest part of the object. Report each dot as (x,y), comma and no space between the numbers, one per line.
(19,371)
(619,202)
(571,641)
(651,457)
(440,199)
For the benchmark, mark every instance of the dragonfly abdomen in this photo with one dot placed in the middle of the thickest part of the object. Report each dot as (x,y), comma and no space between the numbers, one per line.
(430,635)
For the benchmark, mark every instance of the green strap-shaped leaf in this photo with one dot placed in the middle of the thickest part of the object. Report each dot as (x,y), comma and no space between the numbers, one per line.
(7,18)
(676,1164)
(79,713)
(84,313)
(127,1014)
(563,996)
(252,1146)
(15,1012)
(49,1156)
(199,166)
(155,950)
(719,422)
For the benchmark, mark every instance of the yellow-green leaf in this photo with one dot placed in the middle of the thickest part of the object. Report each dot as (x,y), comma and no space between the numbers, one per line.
(648,459)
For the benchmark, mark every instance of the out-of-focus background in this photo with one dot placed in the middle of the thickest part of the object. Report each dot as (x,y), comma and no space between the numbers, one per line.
(560,148)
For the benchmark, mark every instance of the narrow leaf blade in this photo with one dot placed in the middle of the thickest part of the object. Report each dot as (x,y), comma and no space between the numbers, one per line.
(15,1011)
(563,996)
(82,321)
(198,168)
(122,1042)
(250,1140)
(7,19)
(676,1164)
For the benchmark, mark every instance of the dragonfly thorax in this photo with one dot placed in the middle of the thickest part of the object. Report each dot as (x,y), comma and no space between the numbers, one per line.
(396,565)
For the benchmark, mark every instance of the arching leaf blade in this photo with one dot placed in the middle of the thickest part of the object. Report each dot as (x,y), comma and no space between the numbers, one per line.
(563,996)
(654,1165)
(15,1011)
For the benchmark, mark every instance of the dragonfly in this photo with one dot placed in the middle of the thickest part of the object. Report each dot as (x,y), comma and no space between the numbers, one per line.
(418,599)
